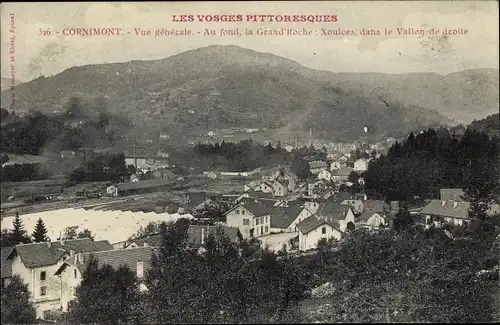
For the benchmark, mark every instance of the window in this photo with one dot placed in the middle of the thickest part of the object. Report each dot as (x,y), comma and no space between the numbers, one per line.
(43,291)
(246,222)
(140,269)
(75,273)
(242,211)
(257,221)
(237,211)
(323,230)
(43,275)
(267,229)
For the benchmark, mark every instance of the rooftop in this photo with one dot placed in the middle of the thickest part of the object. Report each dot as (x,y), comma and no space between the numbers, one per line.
(452,209)
(41,254)
(282,217)
(115,258)
(332,210)
(152,240)
(309,224)
(375,206)
(6,264)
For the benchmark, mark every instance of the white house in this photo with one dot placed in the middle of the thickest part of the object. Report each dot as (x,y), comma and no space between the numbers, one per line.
(325,174)
(374,214)
(372,220)
(252,218)
(339,215)
(266,187)
(37,263)
(280,189)
(70,272)
(455,212)
(304,214)
(312,229)
(337,164)
(361,165)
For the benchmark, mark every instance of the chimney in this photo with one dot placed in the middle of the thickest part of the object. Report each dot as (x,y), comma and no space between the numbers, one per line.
(455,204)
(443,203)
(61,241)
(49,244)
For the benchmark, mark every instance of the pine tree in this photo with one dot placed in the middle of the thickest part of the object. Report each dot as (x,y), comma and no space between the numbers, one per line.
(40,233)
(19,234)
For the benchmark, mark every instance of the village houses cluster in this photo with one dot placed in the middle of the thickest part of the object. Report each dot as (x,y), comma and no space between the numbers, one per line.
(275,206)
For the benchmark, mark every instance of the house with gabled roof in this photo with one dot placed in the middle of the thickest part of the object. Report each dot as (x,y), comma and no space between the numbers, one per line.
(266,187)
(280,189)
(251,217)
(374,214)
(337,214)
(36,264)
(317,166)
(438,212)
(313,229)
(154,240)
(450,208)
(361,165)
(196,201)
(70,272)
(283,218)
(341,175)
(337,164)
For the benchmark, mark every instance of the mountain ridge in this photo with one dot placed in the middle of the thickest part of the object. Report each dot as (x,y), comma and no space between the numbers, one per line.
(224,86)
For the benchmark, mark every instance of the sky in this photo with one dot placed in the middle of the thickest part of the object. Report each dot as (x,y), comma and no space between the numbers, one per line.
(47,55)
